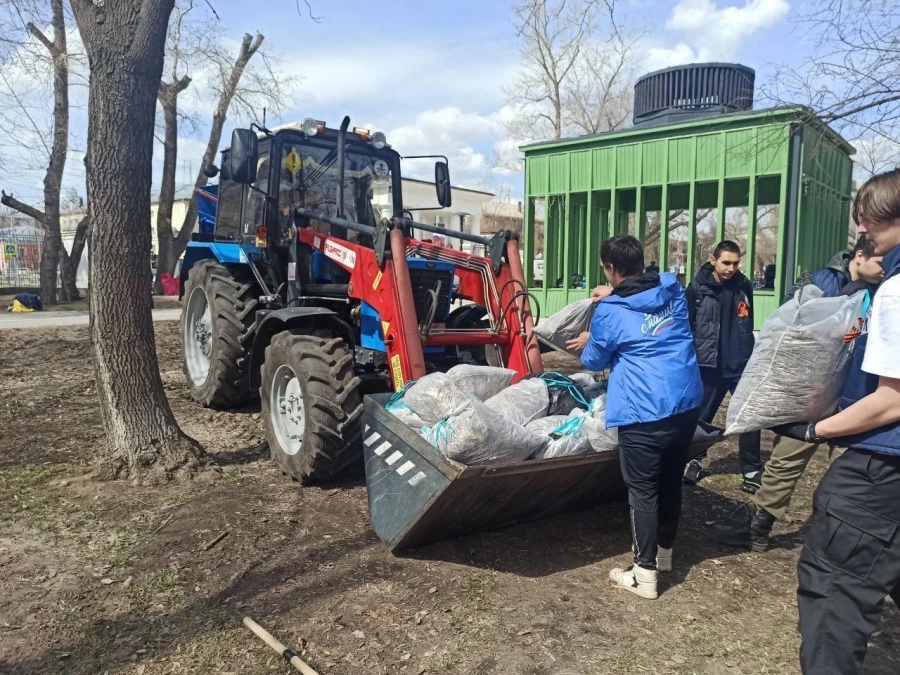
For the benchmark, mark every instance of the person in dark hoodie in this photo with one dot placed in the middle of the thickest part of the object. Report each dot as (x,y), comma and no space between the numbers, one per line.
(790,456)
(640,331)
(720,302)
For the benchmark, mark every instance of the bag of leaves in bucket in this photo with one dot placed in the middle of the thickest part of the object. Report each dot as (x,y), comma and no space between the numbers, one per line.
(567,324)
(481,381)
(427,400)
(800,362)
(593,426)
(474,434)
(522,402)
(560,442)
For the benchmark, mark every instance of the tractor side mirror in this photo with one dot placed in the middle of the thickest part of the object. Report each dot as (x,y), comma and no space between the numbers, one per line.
(210,171)
(442,184)
(243,156)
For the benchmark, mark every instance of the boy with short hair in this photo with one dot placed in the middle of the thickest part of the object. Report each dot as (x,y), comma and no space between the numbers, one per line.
(720,304)
(640,331)
(856,270)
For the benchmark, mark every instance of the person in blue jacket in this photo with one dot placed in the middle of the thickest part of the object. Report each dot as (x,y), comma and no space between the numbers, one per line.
(640,332)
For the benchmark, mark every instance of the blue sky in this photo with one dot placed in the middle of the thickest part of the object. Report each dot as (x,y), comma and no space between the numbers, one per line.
(431,74)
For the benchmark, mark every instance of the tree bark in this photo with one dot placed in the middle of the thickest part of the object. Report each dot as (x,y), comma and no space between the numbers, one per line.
(249,47)
(125,44)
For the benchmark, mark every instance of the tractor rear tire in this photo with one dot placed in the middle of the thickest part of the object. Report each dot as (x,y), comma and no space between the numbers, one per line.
(311,407)
(217,318)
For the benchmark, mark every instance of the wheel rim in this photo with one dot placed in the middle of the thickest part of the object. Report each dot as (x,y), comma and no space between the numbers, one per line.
(286,410)
(197,336)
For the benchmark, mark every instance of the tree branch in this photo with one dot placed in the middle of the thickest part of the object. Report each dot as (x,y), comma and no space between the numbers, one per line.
(54,52)
(21,207)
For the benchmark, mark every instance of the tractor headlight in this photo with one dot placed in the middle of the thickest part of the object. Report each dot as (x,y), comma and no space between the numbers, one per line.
(379,140)
(309,126)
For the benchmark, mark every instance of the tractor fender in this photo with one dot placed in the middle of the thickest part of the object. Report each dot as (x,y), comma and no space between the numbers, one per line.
(222,252)
(302,320)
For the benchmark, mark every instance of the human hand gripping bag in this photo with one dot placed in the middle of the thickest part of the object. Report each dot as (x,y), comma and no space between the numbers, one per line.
(799,363)
(566,324)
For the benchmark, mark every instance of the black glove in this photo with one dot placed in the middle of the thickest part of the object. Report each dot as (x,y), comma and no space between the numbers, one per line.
(800,431)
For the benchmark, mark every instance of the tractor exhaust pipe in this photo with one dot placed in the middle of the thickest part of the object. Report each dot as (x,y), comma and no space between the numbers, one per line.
(340,232)
(341,162)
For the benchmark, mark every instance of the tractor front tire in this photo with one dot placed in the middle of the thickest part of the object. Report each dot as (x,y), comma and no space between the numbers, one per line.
(311,407)
(217,326)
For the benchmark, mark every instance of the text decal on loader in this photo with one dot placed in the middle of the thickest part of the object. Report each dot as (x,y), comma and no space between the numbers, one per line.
(397,372)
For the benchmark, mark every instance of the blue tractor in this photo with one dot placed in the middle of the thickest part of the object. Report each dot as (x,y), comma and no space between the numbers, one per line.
(311,291)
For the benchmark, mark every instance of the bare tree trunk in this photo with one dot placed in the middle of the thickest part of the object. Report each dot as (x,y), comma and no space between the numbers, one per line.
(125,44)
(168,99)
(249,47)
(68,275)
(81,232)
(49,218)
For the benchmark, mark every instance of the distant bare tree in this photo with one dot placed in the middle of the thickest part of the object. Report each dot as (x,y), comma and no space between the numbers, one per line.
(600,92)
(578,67)
(852,77)
(195,50)
(553,33)
(55,142)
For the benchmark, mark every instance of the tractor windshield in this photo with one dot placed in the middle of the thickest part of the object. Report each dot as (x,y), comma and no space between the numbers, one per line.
(309,179)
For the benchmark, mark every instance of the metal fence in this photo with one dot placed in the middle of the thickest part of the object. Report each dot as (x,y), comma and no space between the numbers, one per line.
(20,260)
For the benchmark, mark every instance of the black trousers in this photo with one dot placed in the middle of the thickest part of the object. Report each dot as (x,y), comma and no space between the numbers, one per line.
(714,391)
(653,456)
(850,562)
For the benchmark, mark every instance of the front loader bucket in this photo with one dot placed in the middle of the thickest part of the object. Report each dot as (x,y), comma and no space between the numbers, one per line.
(417,496)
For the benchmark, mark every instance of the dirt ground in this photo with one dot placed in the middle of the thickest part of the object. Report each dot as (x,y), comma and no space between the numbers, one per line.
(110,578)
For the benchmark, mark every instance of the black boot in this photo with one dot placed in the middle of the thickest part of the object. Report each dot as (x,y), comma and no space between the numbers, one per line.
(753,533)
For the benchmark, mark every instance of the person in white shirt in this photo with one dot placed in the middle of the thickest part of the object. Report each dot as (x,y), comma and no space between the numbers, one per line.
(851,558)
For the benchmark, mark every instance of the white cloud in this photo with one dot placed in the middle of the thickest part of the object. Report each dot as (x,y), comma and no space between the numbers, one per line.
(708,32)
(402,76)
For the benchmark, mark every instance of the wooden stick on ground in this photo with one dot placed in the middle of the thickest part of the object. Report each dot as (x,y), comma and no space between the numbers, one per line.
(285,653)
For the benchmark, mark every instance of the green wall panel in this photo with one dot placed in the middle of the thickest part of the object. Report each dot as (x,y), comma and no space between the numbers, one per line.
(559,173)
(681,160)
(537,170)
(653,163)
(581,171)
(709,156)
(628,164)
(604,167)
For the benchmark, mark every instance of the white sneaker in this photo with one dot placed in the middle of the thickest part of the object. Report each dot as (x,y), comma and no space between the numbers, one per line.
(663,559)
(637,580)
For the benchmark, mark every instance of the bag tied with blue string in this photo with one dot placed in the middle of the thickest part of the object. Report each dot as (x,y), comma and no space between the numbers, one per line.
(474,434)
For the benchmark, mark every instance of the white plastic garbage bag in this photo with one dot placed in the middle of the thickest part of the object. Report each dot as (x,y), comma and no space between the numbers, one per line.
(799,364)
(547,425)
(522,402)
(593,427)
(405,414)
(481,381)
(474,434)
(567,324)
(429,398)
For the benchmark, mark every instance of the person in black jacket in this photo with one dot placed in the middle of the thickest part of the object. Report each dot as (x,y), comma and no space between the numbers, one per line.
(720,302)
